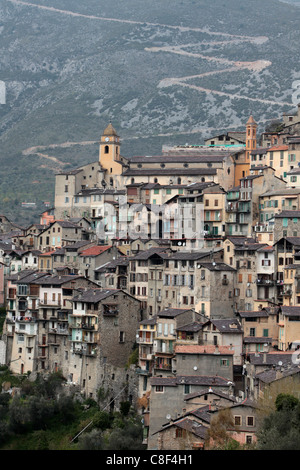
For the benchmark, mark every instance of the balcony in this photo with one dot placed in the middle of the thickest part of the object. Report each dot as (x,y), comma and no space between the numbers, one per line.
(265,282)
(22,306)
(287,292)
(63,315)
(59,331)
(245,209)
(163,365)
(84,352)
(48,304)
(145,340)
(75,324)
(23,319)
(141,371)
(110,310)
(231,208)
(85,326)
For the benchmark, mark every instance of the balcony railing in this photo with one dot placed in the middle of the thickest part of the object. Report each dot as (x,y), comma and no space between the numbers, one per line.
(59,331)
(163,366)
(265,282)
(23,319)
(145,340)
(87,327)
(85,352)
(141,371)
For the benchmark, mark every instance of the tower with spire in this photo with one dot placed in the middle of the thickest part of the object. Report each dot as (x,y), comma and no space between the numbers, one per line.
(109,145)
(251,128)
(109,155)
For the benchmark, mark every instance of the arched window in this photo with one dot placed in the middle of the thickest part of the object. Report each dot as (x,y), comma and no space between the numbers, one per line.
(178,180)
(155,180)
(106,149)
(132,180)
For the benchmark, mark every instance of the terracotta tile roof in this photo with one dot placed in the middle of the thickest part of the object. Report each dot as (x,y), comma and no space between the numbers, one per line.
(206,349)
(278,147)
(95,250)
(48,253)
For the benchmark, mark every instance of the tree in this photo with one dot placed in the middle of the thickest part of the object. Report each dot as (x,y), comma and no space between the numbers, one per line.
(218,435)
(124,408)
(285,402)
(41,441)
(281,429)
(19,416)
(127,438)
(102,420)
(91,441)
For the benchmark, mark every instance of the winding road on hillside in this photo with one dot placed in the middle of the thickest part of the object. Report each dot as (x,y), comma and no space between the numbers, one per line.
(182,81)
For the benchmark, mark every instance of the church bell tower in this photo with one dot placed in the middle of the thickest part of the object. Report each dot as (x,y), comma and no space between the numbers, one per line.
(251,128)
(109,146)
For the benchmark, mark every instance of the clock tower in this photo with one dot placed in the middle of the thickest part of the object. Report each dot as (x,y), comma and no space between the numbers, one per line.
(109,155)
(109,145)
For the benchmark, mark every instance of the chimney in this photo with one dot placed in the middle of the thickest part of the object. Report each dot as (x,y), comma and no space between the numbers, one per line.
(264,357)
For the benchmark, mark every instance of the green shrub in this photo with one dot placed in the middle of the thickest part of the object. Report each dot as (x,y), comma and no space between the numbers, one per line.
(102,420)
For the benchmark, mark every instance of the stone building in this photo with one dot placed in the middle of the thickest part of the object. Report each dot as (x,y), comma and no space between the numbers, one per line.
(54,305)
(197,279)
(206,367)
(20,329)
(273,203)
(286,224)
(103,325)
(225,332)
(185,433)
(241,252)
(61,233)
(260,329)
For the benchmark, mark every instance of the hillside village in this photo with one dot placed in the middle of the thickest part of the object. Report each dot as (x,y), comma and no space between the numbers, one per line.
(188,261)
